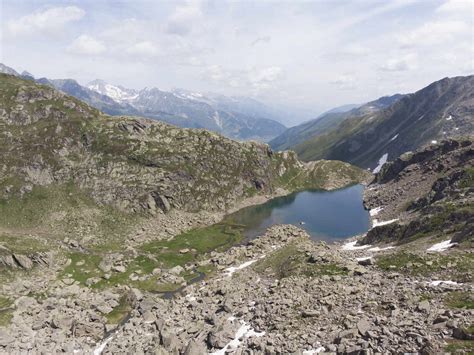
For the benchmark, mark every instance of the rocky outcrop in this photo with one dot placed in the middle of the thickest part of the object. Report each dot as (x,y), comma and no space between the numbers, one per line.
(428,192)
(137,164)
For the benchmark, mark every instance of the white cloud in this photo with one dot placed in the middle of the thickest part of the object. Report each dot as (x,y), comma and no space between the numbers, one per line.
(86,45)
(435,32)
(144,49)
(344,82)
(254,79)
(456,6)
(407,62)
(184,17)
(49,21)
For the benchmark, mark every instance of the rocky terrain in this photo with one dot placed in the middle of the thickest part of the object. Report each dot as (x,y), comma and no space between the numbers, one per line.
(112,240)
(425,193)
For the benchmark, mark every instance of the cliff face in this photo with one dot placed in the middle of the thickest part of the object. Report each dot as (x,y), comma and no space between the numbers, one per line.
(429,192)
(137,164)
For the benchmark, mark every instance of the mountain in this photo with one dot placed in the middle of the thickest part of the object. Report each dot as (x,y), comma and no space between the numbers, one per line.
(179,108)
(190,168)
(441,110)
(192,110)
(327,121)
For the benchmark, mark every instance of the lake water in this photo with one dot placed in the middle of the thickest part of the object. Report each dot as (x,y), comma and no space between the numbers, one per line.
(326,215)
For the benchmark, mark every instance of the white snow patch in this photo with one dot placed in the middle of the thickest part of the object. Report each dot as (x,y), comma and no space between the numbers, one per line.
(364,258)
(419,118)
(442,246)
(101,347)
(383,223)
(245,331)
(233,269)
(375,249)
(375,211)
(382,161)
(394,137)
(439,282)
(352,246)
(315,351)
(434,142)
(449,118)
(456,128)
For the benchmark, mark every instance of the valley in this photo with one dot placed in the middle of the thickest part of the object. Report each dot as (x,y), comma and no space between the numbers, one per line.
(124,234)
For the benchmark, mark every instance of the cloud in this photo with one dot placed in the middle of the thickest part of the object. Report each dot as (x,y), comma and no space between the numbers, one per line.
(405,63)
(264,39)
(434,32)
(254,79)
(49,21)
(86,45)
(144,49)
(344,82)
(184,17)
(456,6)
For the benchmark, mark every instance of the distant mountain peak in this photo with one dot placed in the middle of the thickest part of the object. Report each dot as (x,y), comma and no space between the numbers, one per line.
(115,92)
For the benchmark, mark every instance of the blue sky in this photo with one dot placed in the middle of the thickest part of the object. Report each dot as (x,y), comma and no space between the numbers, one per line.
(310,55)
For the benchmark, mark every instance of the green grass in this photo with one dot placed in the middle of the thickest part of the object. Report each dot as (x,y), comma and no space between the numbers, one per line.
(119,312)
(81,273)
(199,241)
(458,299)
(23,244)
(468,178)
(289,261)
(460,265)
(6,313)
(460,347)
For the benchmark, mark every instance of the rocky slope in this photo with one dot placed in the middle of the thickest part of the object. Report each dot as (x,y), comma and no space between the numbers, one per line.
(441,110)
(326,122)
(425,193)
(112,241)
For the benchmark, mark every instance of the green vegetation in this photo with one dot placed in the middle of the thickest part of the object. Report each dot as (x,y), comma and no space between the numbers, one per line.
(157,254)
(459,265)
(120,311)
(198,242)
(6,312)
(22,244)
(468,179)
(289,261)
(458,299)
(460,347)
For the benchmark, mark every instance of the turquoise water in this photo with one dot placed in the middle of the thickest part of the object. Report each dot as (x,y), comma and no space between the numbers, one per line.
(325,215)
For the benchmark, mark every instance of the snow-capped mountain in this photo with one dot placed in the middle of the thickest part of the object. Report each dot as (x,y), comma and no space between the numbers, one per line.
(117,93)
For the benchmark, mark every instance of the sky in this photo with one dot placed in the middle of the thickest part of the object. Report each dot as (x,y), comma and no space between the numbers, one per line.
(305,56)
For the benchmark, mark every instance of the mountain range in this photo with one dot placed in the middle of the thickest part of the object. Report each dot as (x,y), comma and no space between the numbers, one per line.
(235,117)
(383,129)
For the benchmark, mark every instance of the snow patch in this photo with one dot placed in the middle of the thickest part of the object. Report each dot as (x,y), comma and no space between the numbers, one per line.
(394,137)
(383,223)
(439,282)
(434,142)
(449,118)
(101,347)
(245,331)
(442,246)
(314,351)
(364,258)
(375,211)
(231,270)
(382,161)
(353,246)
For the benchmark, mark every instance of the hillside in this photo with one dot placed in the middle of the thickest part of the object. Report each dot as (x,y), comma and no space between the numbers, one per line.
(441,110)
(328,121)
